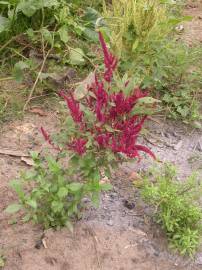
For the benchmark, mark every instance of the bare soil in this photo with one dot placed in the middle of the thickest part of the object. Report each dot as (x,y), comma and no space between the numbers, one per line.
(193,28)
(111,237)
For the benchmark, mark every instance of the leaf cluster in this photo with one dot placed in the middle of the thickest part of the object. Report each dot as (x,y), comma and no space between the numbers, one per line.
(144,35)
(176,206)
(52,195)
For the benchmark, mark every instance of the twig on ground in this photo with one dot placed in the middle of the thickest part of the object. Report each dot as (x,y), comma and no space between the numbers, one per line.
(14,153)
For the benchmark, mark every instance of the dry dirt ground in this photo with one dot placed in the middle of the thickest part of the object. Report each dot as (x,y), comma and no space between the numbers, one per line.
(111,237)
(193,28)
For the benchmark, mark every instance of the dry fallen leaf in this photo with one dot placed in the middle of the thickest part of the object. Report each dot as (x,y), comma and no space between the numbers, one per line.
(82,88)
(134,176)
(14,153)
(28,161)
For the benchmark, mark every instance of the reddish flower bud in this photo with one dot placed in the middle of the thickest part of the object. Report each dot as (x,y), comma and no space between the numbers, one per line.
(79,146)
(74,107)
(110,61)
(48,139)
(103,139)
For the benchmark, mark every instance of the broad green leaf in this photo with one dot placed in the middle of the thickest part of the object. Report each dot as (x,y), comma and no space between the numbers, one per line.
(53,165)
(4,24)
(18,70)
(76,56)
(47,35)
(63,34)
(56,206)
(62,192)
(28,7)
(74,187)
(13,208)
(32,203)
(90,34)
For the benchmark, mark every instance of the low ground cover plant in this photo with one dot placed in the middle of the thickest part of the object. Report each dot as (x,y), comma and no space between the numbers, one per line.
(143,34)
(176,205)
(101,131)
(39,42)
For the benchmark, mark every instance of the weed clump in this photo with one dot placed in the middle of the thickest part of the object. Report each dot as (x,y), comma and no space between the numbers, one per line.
(177,207)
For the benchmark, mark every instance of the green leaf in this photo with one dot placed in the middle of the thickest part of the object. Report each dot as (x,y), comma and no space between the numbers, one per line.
(28,7)
(56,206)
(74,187)
(63,34)
(32,203)
(90,34)
(53,165)
(106,187)
(13,208)
(17,187)
(62,192)
(4,24)
(76,56)
(26,218)
(18,70)
(34,155)
(148,100)
(47,35)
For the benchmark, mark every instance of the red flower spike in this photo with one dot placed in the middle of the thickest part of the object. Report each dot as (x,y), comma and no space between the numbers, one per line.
(74,107)
(79,146)
(112,109)
(103,139)
(110,61)
(99,114)
(48,139)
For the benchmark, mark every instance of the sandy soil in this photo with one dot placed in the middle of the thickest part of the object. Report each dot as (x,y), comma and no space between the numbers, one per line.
(111,237)
(193,29)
